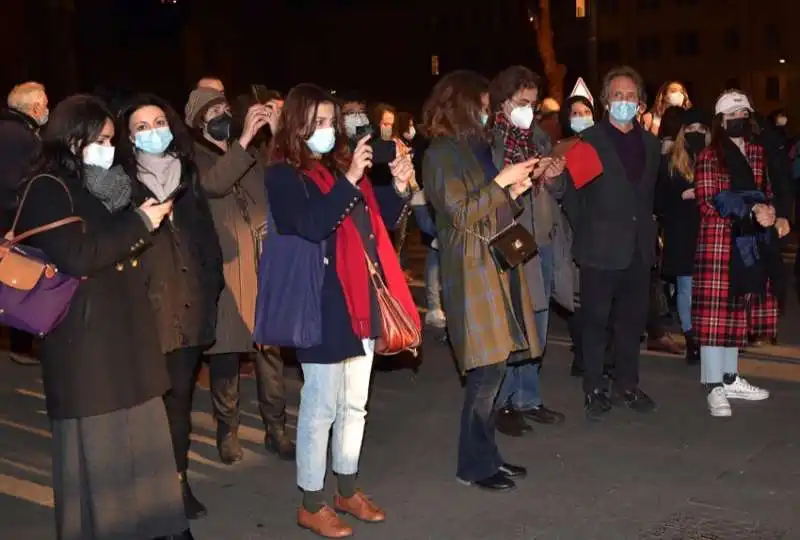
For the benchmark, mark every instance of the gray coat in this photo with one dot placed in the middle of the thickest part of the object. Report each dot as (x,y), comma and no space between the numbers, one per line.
(234,182)
(544,218)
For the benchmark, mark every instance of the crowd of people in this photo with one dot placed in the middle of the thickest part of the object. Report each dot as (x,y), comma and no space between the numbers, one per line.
(198,228)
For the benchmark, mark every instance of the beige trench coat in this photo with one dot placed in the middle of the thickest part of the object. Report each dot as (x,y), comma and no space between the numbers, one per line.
(234,182)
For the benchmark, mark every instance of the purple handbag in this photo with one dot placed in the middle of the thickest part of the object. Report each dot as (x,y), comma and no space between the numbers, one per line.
(34,295)
(289,301)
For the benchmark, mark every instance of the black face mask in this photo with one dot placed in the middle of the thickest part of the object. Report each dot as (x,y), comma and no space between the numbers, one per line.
(738,128)
(695,142)
(219,127)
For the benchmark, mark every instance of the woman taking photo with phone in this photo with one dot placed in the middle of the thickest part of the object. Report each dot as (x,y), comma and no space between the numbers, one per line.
(102,367)
(318,192)
(184,264)
(490,314)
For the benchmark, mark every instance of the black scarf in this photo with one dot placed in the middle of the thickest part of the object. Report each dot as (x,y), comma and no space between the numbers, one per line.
(749,279)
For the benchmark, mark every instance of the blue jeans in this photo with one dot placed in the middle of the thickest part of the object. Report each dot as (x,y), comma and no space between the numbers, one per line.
(433,280)
(521,387)
(478,455)
(683,299)
(333,395)
(716,362)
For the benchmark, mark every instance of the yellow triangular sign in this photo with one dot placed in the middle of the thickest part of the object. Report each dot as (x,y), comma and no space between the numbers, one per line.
(582,90)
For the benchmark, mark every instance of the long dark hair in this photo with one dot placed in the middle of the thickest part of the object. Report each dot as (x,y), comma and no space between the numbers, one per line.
(180,147)
(289,142)
(74,124)
(454,106)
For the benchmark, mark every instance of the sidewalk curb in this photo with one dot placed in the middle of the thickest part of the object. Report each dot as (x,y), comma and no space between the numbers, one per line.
(751,363)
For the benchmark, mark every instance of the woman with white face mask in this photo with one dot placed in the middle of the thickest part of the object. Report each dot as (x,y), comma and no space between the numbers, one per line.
(671,94)
(102,367)
(321,199)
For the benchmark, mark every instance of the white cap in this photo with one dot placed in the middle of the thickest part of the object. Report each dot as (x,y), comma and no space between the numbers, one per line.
(582,90)
(731,102)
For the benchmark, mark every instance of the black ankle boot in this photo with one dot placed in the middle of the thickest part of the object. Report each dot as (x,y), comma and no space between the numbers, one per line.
(194,509)
(278,442)
(692,350)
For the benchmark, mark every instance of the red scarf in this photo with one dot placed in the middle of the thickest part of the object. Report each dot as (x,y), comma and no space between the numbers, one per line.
(351,265)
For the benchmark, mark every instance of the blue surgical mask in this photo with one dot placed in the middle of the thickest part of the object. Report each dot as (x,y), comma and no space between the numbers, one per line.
(322,141)
(580,123)
(484,118)
(153,141)
(623,111)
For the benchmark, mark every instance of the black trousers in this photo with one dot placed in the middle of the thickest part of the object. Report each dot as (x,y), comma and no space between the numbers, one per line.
(619,300)
(224,376)
(183,366)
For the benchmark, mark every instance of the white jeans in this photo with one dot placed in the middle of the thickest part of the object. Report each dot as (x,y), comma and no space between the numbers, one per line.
(716,362)
(332,395)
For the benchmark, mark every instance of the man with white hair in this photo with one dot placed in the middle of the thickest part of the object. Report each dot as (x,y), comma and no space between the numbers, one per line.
(19,144)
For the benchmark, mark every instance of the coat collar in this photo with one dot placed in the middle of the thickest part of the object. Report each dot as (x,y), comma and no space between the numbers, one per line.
(13,115)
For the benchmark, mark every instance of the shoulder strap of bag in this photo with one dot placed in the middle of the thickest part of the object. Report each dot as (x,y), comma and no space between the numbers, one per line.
(16,239)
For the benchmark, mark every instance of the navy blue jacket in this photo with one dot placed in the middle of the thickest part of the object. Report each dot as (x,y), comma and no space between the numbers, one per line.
(299,207)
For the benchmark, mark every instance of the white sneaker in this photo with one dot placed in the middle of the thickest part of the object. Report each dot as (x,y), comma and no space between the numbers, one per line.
(741,389)
(718,404)
(436,318)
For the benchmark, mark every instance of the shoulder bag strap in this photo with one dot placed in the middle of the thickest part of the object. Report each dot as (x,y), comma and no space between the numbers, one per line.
(11,235)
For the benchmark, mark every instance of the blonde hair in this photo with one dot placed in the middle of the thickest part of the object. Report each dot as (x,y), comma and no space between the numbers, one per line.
(679,159)
(23,96)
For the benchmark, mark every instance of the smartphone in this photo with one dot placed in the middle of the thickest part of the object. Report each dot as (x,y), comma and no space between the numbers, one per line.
(363,131)
(383,151)
(177,192)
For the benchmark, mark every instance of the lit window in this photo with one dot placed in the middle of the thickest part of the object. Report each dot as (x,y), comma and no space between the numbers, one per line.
(434,64)
(580,9)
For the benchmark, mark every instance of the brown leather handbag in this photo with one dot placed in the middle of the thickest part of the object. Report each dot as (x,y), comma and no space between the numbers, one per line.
(399,333)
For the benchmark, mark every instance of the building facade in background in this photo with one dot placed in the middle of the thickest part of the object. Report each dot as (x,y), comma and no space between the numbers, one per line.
(709,45)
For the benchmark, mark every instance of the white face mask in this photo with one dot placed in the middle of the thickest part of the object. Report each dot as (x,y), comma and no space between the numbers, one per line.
(99,155)
(410,133)
(676,99)
(781,121)
(386,133)
(353,121)
(522,117)
(322,141)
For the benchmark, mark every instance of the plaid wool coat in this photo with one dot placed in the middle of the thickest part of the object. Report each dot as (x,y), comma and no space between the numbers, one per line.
(719,320)
(480,318)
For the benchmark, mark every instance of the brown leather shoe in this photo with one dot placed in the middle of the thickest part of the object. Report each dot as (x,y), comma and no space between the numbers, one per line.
(325,523)
(359,506)
(665,343)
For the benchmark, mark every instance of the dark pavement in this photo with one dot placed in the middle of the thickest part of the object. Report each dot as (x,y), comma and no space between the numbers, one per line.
(678,474)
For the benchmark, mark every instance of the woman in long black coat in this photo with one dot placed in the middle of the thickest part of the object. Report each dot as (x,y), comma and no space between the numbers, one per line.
(102,367)
(183,267)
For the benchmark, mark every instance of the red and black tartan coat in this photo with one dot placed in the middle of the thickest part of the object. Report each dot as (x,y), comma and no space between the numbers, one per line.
(718,319)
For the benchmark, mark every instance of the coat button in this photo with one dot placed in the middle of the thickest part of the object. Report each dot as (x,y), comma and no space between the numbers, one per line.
(372,237)
(120,267)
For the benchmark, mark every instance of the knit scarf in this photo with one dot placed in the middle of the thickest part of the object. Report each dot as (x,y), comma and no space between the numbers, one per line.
(161,174)
(351,264)
(112,187)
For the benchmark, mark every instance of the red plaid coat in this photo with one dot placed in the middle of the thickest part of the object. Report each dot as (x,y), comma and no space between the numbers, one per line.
(717,319)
